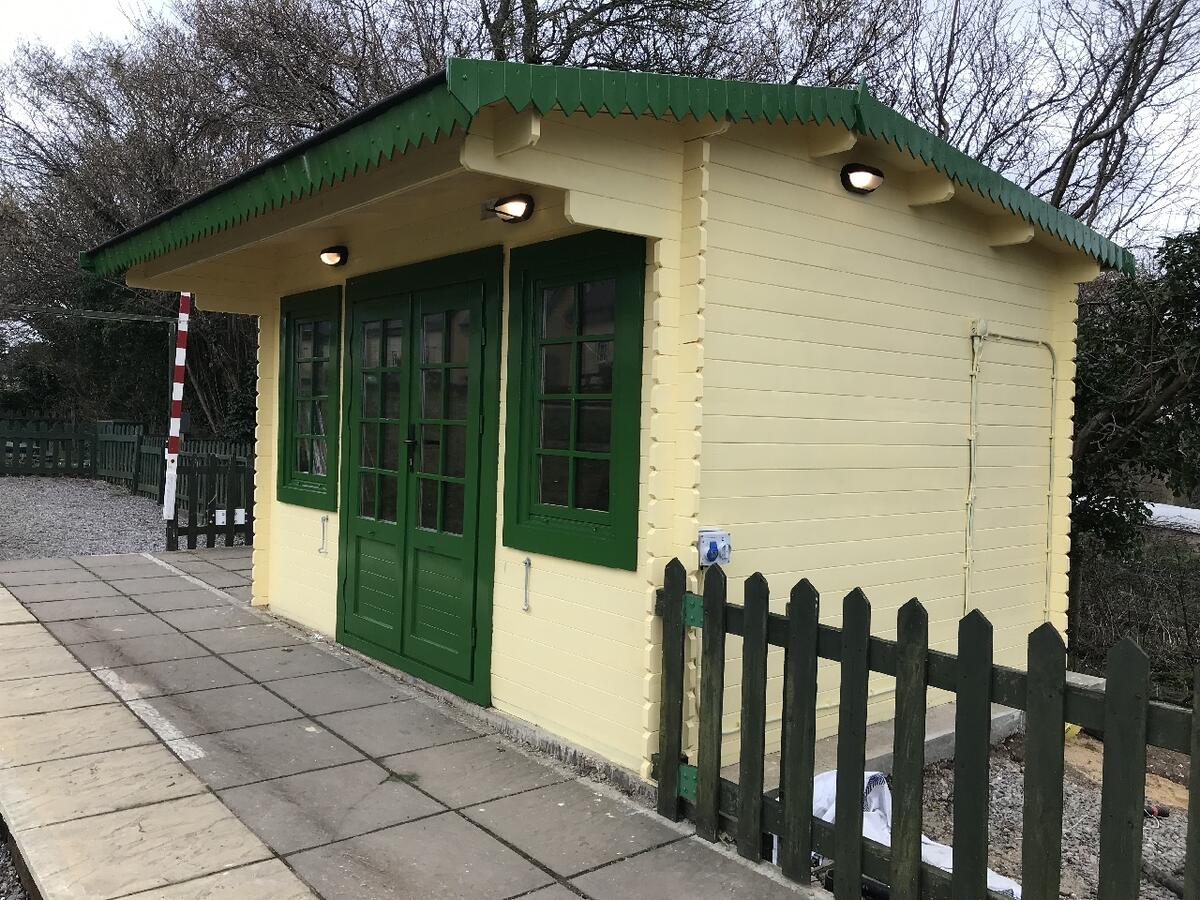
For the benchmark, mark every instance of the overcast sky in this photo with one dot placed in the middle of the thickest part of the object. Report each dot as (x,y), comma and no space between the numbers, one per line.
(62,23)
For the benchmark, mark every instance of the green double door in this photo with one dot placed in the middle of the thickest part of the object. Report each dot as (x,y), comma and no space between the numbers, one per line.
(418,512)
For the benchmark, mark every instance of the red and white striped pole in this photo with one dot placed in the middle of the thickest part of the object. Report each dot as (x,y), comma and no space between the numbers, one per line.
(181,336)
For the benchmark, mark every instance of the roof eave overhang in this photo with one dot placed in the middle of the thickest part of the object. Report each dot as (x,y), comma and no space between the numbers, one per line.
(436,106)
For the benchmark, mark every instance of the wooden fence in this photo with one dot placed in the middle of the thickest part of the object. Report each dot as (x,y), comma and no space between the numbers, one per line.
(119,452)
(214,500)
(1121,713)
(46,448)
(214,475)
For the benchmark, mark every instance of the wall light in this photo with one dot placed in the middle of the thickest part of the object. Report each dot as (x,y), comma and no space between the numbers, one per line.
(516,208)
(861,179)
(335,256)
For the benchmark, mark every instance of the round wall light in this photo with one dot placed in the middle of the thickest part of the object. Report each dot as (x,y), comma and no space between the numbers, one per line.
(516,208)
(335,256)
(858,178)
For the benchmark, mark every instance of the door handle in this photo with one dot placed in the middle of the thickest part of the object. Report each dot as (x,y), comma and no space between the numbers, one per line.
(410,445)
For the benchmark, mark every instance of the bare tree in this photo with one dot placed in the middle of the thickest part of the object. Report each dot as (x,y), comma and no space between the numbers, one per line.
(836,42)
(565,32)
(1088,103)
(1128,72)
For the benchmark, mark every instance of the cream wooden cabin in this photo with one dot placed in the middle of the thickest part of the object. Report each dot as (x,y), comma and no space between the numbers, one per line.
(480,441)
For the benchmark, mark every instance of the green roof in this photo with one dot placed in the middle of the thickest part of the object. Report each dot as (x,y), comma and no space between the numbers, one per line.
(436,106)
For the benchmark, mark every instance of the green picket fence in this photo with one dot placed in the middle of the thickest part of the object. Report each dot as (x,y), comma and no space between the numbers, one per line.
(1122,714)
(46,451)
(215,476)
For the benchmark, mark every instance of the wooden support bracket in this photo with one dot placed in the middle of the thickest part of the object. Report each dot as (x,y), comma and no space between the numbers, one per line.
(1009,231)
(928,188)
(830,142)
(515,133)
(1077,268)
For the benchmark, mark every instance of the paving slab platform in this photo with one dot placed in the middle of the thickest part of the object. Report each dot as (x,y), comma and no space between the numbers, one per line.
(162,740)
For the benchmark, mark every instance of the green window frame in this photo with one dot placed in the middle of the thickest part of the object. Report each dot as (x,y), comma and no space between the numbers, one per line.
(310,329)
(572,446)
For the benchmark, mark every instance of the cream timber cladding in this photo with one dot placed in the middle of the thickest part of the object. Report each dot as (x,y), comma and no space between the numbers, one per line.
(583,660)
(837,401)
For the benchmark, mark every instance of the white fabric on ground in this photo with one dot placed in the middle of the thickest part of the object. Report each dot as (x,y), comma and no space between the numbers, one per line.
(877,824)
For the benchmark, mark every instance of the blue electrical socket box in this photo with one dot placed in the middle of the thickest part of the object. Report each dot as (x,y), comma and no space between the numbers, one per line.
(713,546)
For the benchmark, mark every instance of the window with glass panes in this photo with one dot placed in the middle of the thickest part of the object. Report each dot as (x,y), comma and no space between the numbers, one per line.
(574,383)
(308,434)
(442,420)
(381,462)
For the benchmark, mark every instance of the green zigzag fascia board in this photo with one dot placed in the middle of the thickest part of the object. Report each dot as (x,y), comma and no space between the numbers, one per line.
(478,83)
(417,121)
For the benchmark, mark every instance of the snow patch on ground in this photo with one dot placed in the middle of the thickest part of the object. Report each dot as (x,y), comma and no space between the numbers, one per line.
(1176,518)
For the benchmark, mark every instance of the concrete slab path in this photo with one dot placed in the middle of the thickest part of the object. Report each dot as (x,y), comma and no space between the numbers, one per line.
(161,739)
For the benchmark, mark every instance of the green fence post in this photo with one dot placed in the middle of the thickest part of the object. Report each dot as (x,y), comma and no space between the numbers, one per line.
(1045,723)
(972,752)
(670,729)
(1123,801)
(712,704)
(851,746)
(798,741)
(912,654)
(754,717)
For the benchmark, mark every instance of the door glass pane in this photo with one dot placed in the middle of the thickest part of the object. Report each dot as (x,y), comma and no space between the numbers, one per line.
(596,306)
(393,343)
(369,454)
(427,503)
(456,450)
(460,335)
(320,377)
(305,332)
(453,504)
(371,395)
(391,448)
(318,456)
(323,345)
(558,312)
(552,480)
(304,419)
(372,340)
(556,369)
(304,379)
(387,498)
(595,424)
(366,495)
(431,394)
(591,484)
(556,425)
(433,338)
(393,395)
(431,449)
(595,367)
(456,394)
(304,455)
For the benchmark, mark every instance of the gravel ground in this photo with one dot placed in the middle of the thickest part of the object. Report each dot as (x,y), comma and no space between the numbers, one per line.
(1163,842)
(10,885)
(72,517)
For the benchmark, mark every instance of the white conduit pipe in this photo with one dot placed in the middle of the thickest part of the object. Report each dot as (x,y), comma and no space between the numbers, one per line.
(980,333)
